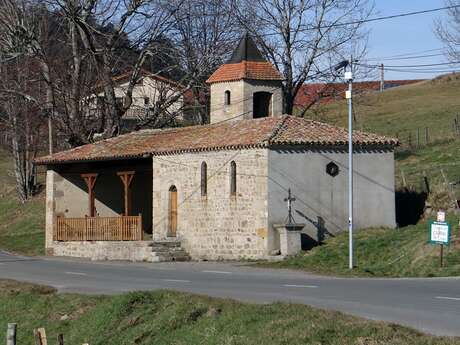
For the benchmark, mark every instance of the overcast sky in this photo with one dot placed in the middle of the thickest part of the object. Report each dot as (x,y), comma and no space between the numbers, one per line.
(412,35)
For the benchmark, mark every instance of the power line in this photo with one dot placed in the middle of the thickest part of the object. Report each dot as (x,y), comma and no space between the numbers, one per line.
(407,57)
(411,66)
(362,21)
(406,54)
(425,65)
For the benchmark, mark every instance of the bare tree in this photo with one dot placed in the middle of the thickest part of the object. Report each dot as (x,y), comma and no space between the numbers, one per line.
(21,119)
(305,39)
(448,30)
(205,35)
(77,45)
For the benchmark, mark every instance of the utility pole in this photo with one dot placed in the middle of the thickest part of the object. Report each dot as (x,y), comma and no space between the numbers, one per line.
(348,95)
(382,78)
(349,79)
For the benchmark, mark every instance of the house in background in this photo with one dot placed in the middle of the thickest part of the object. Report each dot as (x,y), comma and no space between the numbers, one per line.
(150,92)
(216,191)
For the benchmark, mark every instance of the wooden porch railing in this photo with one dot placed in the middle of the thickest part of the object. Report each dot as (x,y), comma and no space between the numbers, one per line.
(122,228)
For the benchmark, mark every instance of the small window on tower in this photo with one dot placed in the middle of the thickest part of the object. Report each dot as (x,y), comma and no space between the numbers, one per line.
(227,98)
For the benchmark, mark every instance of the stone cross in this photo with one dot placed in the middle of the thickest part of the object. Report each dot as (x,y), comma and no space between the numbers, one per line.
(289,200)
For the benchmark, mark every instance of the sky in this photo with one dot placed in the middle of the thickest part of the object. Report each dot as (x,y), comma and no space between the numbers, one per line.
(407,35)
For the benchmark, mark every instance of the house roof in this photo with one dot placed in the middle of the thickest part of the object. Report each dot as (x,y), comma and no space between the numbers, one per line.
(255,70)
(242,134)
(329,92)
(246,63)
(124,77)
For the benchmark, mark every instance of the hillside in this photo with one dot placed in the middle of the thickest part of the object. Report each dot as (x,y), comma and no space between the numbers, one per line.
(401,110)
(404,252)
(21,225)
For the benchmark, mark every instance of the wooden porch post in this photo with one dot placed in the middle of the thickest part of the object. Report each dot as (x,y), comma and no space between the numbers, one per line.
(90,180)
(126,177)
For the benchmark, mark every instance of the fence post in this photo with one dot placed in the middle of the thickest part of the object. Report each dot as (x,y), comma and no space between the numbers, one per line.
(426,182)
(11,334)
(418,137)
(427,136)
(403,179)
(40,336)
(409,140)
(60,339)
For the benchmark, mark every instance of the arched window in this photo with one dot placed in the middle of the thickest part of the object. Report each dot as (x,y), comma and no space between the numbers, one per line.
(204,179)
(233,178)
(172,229)
(227,100)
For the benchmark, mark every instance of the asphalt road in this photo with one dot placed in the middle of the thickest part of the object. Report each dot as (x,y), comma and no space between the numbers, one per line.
(430,305)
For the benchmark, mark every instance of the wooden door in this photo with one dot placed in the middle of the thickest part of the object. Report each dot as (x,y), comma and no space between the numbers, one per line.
(172,212)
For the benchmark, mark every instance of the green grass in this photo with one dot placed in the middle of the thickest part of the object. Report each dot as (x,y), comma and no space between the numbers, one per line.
(403,252)
(434,159)
(164,317)
(21,225)
(401,110)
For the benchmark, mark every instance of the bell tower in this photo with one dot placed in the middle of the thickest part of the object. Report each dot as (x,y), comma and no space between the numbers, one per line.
(246,87)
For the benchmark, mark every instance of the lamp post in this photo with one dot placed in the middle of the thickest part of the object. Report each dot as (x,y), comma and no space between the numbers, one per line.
(348,96)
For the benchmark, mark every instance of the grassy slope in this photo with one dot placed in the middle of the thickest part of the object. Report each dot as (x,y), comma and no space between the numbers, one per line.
(431,159)
(174,318)
(403,252)
(21,225)
(431,104)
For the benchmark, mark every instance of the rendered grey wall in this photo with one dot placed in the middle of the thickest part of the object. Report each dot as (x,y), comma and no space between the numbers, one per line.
(322,200)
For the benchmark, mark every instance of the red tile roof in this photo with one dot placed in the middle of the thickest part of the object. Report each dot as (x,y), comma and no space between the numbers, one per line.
(255,70)
(240,134)
(326,93)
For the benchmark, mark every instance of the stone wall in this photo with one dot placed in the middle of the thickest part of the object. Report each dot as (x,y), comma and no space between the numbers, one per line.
(242,99)
(105,250)
(218,225)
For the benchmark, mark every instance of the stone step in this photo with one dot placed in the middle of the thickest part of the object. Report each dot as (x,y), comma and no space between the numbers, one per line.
(166,257)
(166,244)
(168,251)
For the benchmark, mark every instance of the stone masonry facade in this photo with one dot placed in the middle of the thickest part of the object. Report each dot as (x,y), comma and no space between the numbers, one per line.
(241,93)
(218,225)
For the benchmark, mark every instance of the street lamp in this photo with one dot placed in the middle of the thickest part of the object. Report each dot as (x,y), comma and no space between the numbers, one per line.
(348,95)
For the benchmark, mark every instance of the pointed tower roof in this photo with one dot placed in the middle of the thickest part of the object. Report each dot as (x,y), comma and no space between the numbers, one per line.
(246,51)
(246,63)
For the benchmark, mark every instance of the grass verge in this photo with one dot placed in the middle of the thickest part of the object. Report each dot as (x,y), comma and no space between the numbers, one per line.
(21,225)
(403,252)
(164,317)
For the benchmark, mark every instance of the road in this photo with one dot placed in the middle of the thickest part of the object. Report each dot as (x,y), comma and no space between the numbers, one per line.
(431,305)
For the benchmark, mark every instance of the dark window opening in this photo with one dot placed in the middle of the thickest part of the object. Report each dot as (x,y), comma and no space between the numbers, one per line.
(204,179)
(233,178)
(227,100)
(146,101)
(261,104)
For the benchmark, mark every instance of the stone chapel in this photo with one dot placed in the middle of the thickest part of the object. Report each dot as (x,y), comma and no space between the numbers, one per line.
(216,191)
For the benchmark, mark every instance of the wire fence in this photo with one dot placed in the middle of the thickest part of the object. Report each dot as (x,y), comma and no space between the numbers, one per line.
(421,137)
